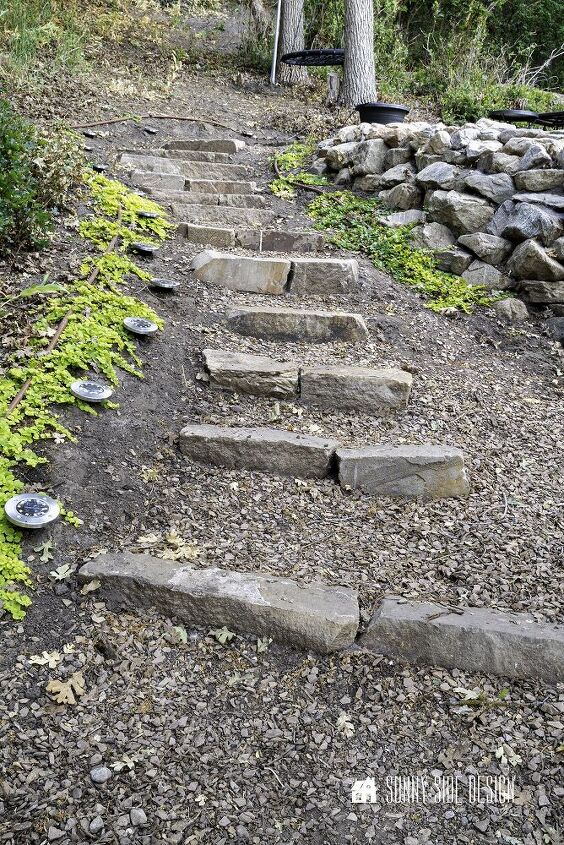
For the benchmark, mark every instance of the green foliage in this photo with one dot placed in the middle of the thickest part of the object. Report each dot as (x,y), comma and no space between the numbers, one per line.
(354,224)
(37,172)
(289,164)
(94,338)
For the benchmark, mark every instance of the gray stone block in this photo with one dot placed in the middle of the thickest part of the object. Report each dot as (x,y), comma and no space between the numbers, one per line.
(209,235)
(405,471)
(460,212)
(539,180)
(371,391)
(210,145)
(254,374)
(531,261)
(476,640)
(489,248)
(480,273)
(269,450)
(292,324)
(220,186)
(312,616)
(323,275)
(238,272)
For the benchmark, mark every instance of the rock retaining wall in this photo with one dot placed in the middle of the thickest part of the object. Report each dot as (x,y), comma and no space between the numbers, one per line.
(487,198)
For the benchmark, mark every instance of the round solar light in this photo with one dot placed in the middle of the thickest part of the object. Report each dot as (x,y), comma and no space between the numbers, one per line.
(30,510)
(99,168)
(150,130)
(140,325)
(90,391)
(164,284)
(148,215)
(143,249)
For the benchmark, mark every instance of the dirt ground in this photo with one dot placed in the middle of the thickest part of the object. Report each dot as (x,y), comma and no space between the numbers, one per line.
(226,743)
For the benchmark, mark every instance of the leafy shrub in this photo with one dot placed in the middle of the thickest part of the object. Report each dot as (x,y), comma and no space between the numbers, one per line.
(37,171)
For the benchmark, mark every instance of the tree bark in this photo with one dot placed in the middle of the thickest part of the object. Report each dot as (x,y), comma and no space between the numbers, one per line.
(291,40)
(359,77)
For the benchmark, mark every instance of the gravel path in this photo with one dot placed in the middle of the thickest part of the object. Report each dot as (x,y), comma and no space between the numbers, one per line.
(191,741)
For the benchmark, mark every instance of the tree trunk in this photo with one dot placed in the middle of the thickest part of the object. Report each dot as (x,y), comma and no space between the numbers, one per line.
(359,78)
(291,40)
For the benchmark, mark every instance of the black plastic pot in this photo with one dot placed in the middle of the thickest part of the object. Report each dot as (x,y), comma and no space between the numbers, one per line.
(382,112)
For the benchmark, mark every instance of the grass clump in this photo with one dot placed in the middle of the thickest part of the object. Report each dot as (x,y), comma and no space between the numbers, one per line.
(353,223)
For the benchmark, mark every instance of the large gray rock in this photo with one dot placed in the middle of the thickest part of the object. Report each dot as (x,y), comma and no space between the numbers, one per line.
(439,142)
(396,175)
(521,221)
(254,374)
(496,187)
(371,391)
(480,273)
(265,449)
(548,199)
(558,249)
(512,310)
(477,148)
(403,218)
(461,137)
(439,175)
(292,324)
(312,616)
(539,180)
(323,275)
(454,260)
(543,293)
(238,272)
(489,248)
(530,261)
(460,212)
(406,471)
(404,196)
(341,155)
(518,146)
(433,236)
(536,156)
(369,157)
(473,639)
(498,162)
(399,155)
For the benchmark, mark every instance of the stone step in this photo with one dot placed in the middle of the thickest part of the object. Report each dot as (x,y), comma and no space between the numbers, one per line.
(222,172)
(430,472)
(148,163)
(265,449)
(182,197)
(308,275)
(196,155)
(472,639)
(220,186)
(324,275)
(292,324)
(242,273)
(158,184)
(208,145)
(223,215)
(259,240)
(257,375)
(313,617)
(372,391)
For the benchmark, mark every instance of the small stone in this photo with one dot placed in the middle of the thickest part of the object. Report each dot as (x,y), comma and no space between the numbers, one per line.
(480,273)
(100,774)
(55,833)
(96,825)
(137,816)
(403,218)
(482,824)
(512,310)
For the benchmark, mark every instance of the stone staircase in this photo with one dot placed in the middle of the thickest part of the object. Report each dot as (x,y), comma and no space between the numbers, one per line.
(216,207)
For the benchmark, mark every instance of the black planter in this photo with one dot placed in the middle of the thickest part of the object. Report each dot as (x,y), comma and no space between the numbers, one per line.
(382,113)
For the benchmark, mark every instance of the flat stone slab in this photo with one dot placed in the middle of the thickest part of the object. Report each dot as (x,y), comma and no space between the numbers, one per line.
(209,235)
(323,275)
(431,472)
(149,164)
(242,273)
(254,374)
(223,215)
(205,170)
(475,640)
(316,617)
(220,186)
(292,324)
(157,182)
(211,145)
(372,391)
(269,450)
(197,155)
(284,241)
